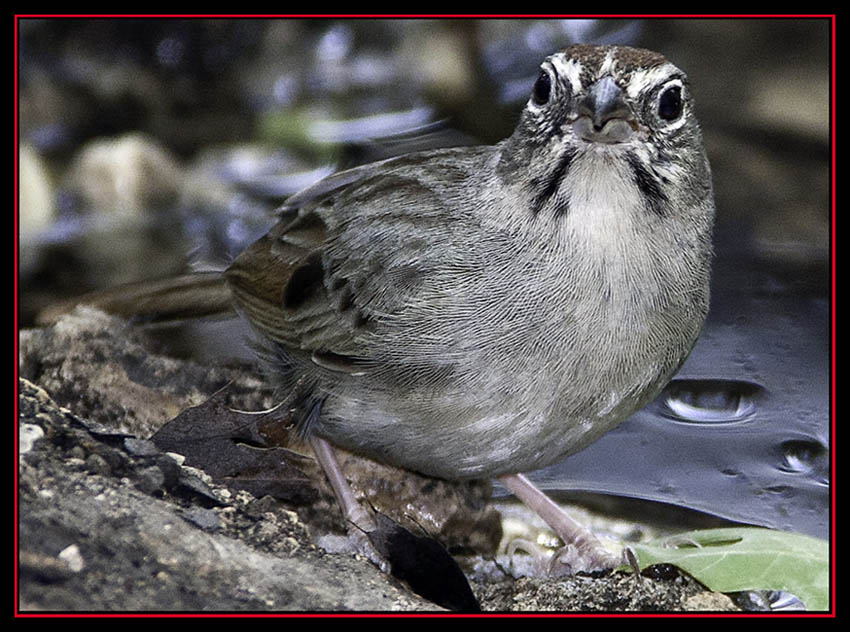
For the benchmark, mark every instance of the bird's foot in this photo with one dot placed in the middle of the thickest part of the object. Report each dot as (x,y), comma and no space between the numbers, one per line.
(582,551)
(571,559)
(362,544)
(566,560)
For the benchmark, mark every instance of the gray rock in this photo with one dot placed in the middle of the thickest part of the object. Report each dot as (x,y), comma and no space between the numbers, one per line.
(97,541)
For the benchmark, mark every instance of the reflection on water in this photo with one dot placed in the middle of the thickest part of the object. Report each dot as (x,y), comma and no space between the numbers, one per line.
(768,600)
(708,401)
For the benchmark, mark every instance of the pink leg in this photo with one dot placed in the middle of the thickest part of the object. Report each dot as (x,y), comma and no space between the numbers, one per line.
(352,510)
(591,554)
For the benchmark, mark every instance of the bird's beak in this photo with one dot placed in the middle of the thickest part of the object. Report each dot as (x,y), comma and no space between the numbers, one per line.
(603,114)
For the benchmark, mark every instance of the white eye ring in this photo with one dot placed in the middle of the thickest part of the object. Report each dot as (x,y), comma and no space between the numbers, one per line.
(670,103)
(679,118)
(541,93)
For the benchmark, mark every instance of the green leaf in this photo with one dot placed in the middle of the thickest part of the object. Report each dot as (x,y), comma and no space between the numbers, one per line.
(748,558)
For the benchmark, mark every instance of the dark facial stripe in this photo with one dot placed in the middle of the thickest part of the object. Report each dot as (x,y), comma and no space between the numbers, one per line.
(548,186)
(647,183)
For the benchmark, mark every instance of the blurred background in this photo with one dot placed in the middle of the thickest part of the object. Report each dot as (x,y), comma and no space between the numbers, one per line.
(153,146)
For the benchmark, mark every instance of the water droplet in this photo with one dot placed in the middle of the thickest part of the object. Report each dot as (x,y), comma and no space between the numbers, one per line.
(783,491)
(805,456)
(709,401)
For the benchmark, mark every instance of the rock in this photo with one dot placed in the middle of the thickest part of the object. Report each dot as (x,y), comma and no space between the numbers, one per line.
(126,175)
(36,209)
(103,541)
(91,462)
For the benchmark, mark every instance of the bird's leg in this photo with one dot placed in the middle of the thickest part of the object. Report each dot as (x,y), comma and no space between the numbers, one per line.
(582,551)
(352,511)
(358,521)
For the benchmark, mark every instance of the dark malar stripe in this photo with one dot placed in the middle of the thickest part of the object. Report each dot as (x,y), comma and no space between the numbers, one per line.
(648,184)
(551,183)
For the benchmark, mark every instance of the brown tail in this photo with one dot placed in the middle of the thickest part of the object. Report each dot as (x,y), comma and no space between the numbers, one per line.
(188,296)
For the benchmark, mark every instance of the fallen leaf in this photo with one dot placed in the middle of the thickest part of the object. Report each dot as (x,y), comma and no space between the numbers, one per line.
(230,446)
(748,558)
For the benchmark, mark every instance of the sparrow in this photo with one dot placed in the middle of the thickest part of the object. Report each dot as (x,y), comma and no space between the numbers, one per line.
(480,312)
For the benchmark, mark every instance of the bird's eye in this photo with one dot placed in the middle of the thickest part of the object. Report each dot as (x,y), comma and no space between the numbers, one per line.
(542,88)
(670,103)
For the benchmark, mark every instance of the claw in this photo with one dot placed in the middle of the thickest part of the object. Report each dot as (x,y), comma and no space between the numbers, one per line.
(540,557)
(630,558)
